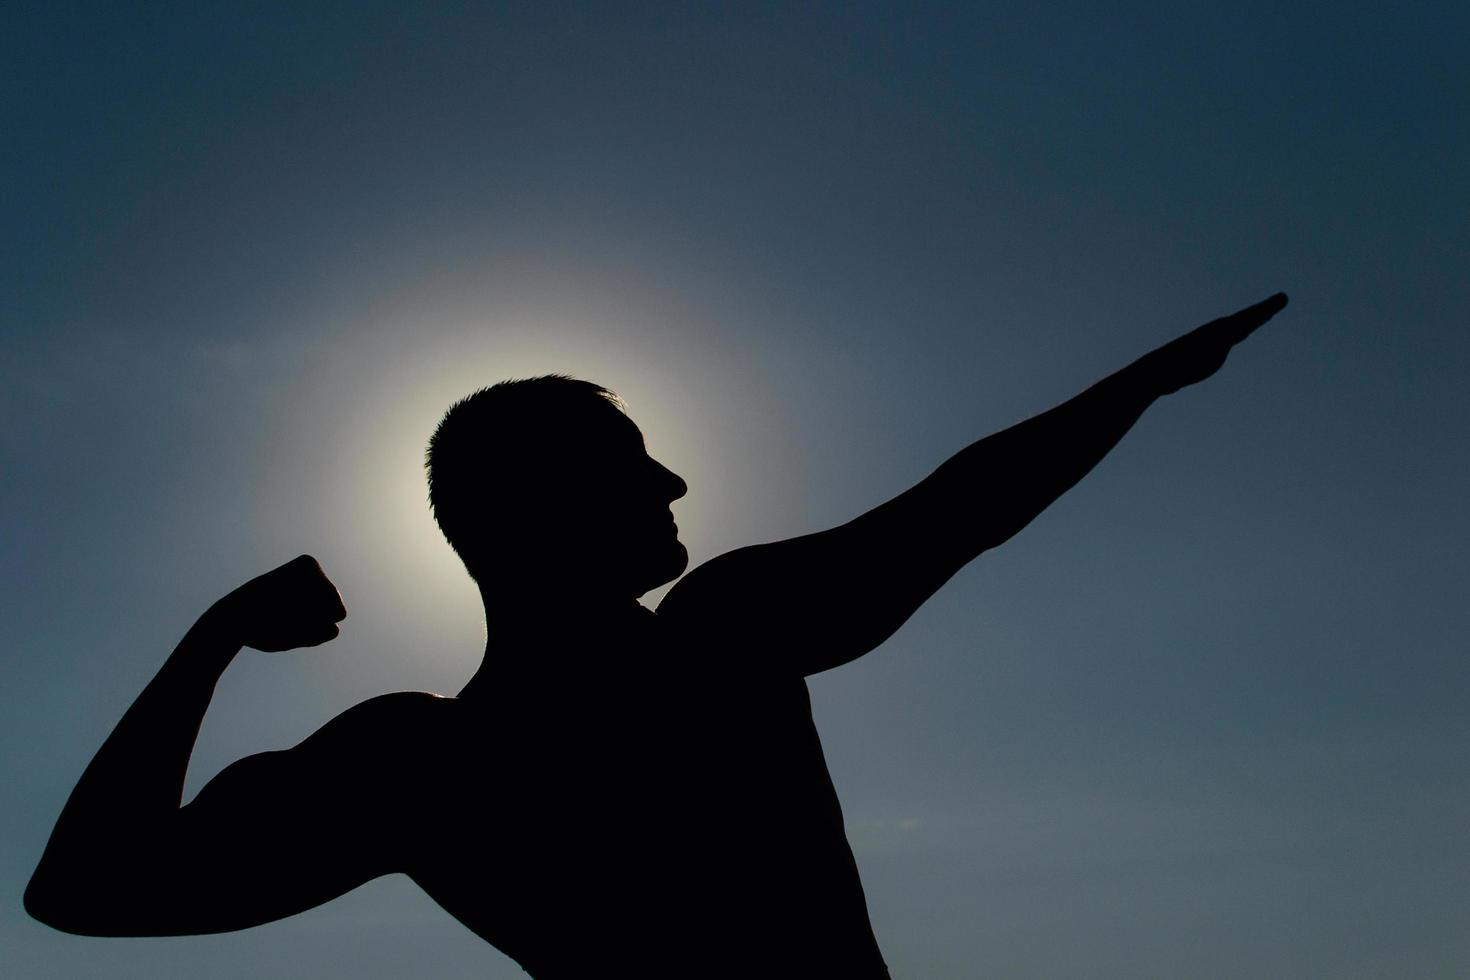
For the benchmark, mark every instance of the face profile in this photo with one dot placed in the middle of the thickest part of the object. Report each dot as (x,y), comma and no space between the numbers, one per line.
(616,514)
(546,481)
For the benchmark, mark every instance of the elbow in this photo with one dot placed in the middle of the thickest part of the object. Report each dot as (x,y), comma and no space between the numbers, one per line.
(64,906)
(47,904)
(34,901)
(42,903)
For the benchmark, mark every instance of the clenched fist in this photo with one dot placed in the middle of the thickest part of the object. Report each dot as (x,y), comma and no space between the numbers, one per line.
(292,606)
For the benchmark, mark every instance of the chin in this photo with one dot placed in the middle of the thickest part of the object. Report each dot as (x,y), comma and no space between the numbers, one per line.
(668,566)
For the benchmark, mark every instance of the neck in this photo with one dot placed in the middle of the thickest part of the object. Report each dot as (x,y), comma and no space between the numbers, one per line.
(539,637)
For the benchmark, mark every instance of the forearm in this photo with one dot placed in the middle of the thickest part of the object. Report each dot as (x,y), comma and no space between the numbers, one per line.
(134,784)
(997,486)
(993,488)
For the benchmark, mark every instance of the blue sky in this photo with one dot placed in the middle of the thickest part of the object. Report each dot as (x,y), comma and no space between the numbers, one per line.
(1204,718)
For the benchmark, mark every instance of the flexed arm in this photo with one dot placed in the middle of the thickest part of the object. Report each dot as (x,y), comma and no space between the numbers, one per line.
(824,599)
(124,857)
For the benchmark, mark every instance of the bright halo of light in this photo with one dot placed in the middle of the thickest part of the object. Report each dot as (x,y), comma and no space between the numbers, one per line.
(414,383)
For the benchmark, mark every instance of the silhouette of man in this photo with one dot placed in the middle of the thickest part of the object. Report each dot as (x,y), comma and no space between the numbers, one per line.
(614,789)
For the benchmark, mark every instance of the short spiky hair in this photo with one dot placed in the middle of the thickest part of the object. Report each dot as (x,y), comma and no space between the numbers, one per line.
(486,441)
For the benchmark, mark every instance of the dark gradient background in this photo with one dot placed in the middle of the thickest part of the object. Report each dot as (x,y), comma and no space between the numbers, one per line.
(1205,718)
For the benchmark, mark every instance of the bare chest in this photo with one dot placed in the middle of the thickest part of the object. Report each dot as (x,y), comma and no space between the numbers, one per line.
(637,824)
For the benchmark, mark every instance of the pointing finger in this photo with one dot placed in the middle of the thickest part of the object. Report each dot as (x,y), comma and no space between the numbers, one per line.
(1239,326)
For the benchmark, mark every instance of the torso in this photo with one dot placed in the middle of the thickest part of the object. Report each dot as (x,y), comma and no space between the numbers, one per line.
(662,818)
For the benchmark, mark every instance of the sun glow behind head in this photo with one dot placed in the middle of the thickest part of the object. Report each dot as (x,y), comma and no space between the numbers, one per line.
(391,341)
(392,387)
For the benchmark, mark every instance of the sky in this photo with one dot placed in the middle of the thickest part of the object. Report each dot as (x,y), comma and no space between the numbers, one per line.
(1204,718)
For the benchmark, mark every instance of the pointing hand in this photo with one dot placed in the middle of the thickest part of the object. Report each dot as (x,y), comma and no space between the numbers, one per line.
(1198,354)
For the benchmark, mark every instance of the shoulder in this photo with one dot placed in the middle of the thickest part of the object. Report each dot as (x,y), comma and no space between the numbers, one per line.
(709,605)
(398,707)
(733,613)
(394,730)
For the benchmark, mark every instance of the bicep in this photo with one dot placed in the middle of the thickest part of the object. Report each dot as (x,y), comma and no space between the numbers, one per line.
(272,835)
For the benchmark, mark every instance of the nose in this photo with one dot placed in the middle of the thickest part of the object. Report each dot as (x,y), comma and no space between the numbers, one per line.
(674,485)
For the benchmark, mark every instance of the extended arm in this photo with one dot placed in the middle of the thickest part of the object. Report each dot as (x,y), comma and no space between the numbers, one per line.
(823,599)
(126,859)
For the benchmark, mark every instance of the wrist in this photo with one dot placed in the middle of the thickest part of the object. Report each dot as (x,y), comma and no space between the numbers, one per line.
(218,630)
(1147,379)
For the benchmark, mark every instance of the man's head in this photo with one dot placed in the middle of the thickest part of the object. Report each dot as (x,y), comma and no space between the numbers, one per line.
(545,482)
